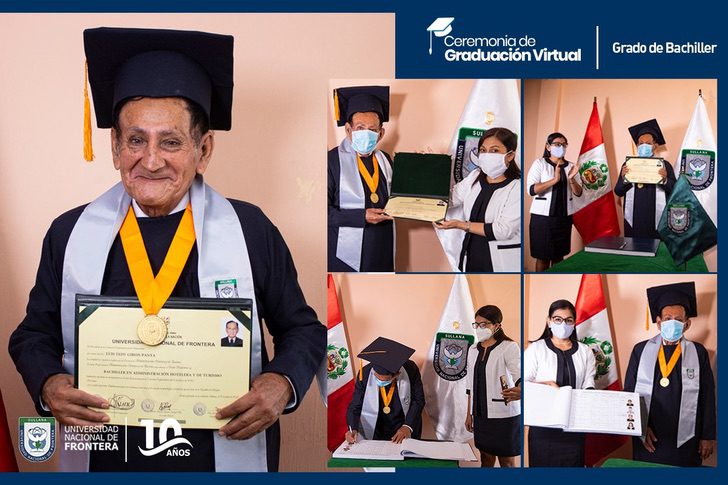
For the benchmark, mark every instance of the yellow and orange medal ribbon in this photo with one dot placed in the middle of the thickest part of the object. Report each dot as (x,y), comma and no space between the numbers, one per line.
(666,367)
(387,396)
(372,180)
(153,291)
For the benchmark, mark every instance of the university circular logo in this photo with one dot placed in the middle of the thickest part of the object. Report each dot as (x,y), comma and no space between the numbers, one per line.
(148,405)
(593,174)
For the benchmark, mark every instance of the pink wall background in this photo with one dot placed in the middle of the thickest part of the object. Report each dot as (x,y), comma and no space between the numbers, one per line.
(423,117)
(564,105)
(626,300)
(407,308)
(273,157)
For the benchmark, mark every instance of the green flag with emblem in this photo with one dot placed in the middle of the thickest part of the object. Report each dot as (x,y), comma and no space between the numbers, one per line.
(685,226)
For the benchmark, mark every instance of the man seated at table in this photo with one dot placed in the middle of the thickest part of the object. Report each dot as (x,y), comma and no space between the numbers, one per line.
(388,395)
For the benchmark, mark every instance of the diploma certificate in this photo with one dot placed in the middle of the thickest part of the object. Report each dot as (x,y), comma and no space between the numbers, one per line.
(419,208)
(186,377)
(644,170)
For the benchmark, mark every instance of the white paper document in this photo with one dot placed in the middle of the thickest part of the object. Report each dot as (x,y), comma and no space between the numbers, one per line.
(582,410)
(409,448)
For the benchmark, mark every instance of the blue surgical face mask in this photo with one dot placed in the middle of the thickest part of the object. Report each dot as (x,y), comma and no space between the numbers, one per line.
(382,383)
(557,152)
(644,150)
(562,331)
(364,141)
(672,330)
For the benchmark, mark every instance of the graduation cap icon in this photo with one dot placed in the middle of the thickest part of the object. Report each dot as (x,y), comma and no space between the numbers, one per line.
(440,27)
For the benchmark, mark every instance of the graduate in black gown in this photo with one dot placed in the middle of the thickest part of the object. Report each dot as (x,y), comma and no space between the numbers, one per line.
(158,181)
(358,194)
(643,203)
(679,388)
(379,410)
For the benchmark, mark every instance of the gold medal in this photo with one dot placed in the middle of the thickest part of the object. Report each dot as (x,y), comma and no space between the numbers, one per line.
(387,396)
(374,198)
(666,367)
(152,330)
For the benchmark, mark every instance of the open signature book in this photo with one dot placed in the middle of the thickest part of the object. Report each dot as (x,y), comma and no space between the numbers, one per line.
(409,448)
(583,410)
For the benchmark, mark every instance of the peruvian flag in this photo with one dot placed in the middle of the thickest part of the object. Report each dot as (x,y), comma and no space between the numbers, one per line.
(594,215)
(592,329)
(7,453)
(340,375)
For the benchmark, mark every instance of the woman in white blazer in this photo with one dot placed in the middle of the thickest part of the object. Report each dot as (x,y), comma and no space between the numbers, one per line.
(553,182)
(558,359)
(494,391)
(491,200)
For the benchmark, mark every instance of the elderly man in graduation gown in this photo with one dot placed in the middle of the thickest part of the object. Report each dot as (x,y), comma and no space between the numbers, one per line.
(361,234)
(388,395)
(674,377)
(643,204)
(161,92)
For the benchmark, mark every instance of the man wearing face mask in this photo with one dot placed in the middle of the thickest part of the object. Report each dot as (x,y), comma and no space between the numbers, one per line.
(360,233)
(674,377)
(388,396)
(643,204)
(490,198)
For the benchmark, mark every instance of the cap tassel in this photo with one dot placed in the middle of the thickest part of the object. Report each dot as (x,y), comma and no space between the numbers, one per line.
(360,367)
(88,150)
(337,113)
(647,318)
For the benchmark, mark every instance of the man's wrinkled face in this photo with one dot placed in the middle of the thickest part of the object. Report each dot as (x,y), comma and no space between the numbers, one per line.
(156,153)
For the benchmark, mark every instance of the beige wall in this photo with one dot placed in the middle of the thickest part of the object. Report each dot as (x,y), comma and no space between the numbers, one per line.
(407,308)
(423,117)
(564,105)
(273,157)
(626,305)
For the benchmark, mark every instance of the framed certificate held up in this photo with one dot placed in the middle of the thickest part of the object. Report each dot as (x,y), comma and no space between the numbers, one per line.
(203,362)
(420,186)
(643,170)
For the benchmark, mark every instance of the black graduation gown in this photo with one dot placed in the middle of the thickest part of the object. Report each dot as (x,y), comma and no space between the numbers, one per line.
(665,410)
(388,424)
(36,345)
(643,213)
(377,252)
(549,447)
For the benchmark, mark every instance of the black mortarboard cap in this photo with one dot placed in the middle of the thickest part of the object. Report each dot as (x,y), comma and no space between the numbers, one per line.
(361,99)
(674,294)
(386,356)
(649,126)
(125,63)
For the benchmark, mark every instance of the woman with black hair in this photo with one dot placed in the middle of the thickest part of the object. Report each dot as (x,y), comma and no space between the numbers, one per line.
(558,359)
(491,200)
(494,390)
(552,182)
